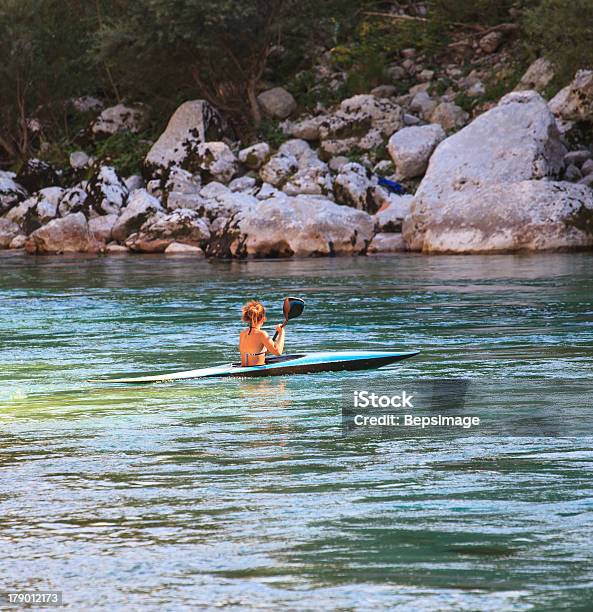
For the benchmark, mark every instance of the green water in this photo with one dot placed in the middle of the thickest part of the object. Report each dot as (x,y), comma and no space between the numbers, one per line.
(243,494)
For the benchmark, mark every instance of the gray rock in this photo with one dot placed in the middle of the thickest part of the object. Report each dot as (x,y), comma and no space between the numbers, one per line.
(133,182)
(116,249)
(395,72)
(355,186)
(384,91)
(307,129)
(337,163)
(578,158)
(572,174)
(476,90)
(423,104)
(85,104)
(181,249)
(587,167)
(101,227)
(18,242)
(69,234)
(387,243)
(79,160)
(277,102)
(216,161)
(523,216)
(255,156)
(8,232)
(587,180)
(162,230)
(194,122)
(141,207)
(491,41)
(538,76)
(278,169)
(243,184)
(391,217)
(11,193)
(449,115)
(425,76)
(107,193)
(411,119)
(575,101)
(120,118)
(515,141)
(301,227)
(73,200)
(411,148)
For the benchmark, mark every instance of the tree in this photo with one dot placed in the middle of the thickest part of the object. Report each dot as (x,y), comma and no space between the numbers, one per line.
(42,65)
(222,47)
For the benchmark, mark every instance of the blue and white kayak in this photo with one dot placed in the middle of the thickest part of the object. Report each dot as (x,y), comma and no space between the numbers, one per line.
(285,364)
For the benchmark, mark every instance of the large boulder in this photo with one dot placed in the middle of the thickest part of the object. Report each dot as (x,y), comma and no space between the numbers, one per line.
(141,207)
(159,232)
(575,101)
(411,148)
(515,141)
(387,243)
(106,190)
(301,226)
(120,118)
(277,102)
(8,232)
(528,215)
(11,193)
(194,122)
(37,210)
(69,234)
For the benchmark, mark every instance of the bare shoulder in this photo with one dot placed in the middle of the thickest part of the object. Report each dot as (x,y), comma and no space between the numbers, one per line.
(262,334)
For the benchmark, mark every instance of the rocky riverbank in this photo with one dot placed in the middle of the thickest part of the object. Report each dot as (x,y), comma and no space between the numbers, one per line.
(516,176)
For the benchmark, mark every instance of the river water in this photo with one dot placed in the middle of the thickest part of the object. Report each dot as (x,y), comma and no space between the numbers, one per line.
(244,494)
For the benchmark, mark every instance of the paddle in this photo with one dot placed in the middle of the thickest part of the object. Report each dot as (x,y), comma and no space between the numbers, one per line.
(292,308)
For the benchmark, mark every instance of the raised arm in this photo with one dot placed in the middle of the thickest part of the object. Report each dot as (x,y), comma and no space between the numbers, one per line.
(277,347)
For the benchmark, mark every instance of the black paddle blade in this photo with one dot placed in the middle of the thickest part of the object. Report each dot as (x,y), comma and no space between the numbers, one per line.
(293,308)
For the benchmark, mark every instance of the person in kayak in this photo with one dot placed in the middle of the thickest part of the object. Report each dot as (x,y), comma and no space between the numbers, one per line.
(254,342)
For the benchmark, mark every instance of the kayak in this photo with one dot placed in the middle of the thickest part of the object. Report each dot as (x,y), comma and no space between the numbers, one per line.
(285,364)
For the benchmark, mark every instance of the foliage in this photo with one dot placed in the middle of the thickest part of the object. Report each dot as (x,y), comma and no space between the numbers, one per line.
(42,65)
(563,31)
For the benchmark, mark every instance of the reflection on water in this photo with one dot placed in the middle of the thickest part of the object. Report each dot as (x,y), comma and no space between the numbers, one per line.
(243,493)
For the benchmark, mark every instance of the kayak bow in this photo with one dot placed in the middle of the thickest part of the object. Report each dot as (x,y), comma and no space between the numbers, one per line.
(285,364)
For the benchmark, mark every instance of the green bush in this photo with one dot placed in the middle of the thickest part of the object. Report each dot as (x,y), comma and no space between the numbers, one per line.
(563,31)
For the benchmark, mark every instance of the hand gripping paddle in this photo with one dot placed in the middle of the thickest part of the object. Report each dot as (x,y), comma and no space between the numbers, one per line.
(292,308)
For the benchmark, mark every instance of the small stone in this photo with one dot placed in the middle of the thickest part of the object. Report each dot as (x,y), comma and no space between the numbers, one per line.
(411,119)
(116,249)
(449,115)
(178,248)
(408,53)
(572,173)
(255,156)
(425,76)
(277,102)
(79,160)
(490,42)
(587,167)
(577,157)
(387,243)
(384,91)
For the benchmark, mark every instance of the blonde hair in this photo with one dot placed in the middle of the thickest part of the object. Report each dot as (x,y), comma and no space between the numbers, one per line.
(253,313)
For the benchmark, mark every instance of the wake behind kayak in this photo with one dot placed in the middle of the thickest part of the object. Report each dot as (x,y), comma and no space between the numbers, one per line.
(287,364)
